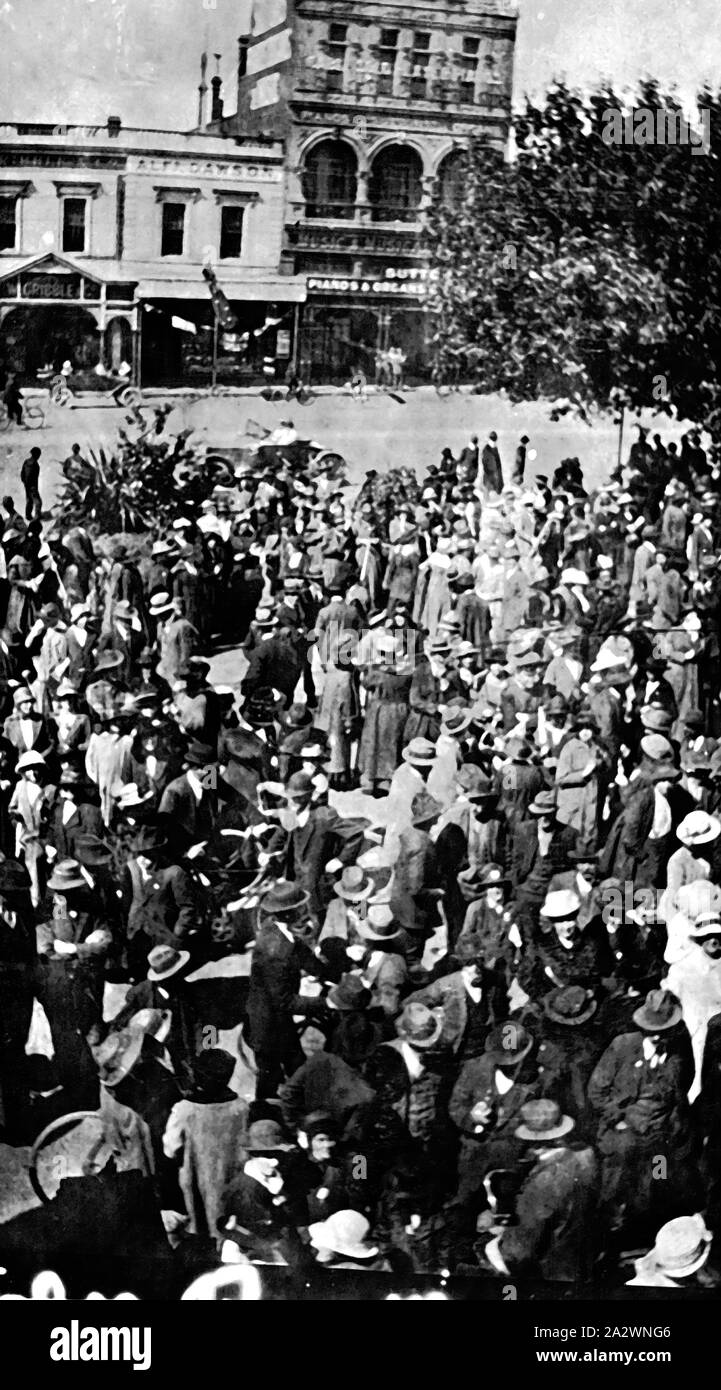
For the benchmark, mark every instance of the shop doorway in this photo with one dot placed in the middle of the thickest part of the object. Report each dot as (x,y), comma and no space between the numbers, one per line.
(36,336)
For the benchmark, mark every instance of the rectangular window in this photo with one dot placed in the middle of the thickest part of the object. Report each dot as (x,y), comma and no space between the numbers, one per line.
(387,54)
(231,232)
(74,210)
(420,59)
(467,91)
(8,224)
(173,229)
(470,47)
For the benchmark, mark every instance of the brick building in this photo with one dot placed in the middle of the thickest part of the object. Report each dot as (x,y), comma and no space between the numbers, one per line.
(373,102)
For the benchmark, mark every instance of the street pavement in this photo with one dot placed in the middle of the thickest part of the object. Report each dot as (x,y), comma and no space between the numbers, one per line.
(377,433)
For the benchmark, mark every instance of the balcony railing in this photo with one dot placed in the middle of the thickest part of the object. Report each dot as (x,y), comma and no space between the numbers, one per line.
(387,214)
(365,241)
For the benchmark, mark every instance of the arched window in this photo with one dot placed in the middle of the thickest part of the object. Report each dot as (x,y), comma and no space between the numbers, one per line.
(330,180)
(395,187)
(452,178)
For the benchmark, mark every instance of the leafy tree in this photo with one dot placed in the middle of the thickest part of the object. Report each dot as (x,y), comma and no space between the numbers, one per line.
(585,271)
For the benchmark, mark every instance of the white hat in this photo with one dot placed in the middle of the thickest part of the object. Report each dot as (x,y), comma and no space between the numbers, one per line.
(604,562)
(706,924)
(573,576)
(682,1246)
(606,660)
(562,903)
(30,759)
(698,828)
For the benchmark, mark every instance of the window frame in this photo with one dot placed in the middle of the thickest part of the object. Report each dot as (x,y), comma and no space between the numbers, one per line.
(240,210)
(173,203)
(64,224)
(14,199)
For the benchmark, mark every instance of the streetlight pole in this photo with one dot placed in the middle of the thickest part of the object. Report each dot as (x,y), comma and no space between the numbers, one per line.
(214,378)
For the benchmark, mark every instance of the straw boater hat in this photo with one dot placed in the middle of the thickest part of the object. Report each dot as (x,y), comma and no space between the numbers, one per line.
(354,885)
(420,752)
(706,924)
(699,828)
(379,924)
(682,1246)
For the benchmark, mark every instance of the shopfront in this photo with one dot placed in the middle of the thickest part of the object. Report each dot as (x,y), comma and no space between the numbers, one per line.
(53,311)
(348,321)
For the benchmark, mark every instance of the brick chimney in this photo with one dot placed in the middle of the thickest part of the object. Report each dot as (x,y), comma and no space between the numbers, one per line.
(216,101)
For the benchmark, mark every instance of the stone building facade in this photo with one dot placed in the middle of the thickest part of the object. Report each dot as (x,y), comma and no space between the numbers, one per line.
(373,101)
(104,233)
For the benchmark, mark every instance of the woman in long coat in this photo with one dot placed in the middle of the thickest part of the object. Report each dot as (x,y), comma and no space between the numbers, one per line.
(206,1135)
(401,578)
(433,597)
(388,686)
(580,787)
(339,710)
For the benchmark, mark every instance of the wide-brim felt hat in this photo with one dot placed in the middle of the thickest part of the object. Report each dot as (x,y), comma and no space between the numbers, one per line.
(380,925)
(659,1012)
(480,879)
(164,962)
(507,1044)
(569,1005)
(92,852)
(66,876)
(117,1055)
(420,1026)
(283,896)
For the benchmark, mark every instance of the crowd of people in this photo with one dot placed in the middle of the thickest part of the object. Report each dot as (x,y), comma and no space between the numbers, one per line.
(459,815)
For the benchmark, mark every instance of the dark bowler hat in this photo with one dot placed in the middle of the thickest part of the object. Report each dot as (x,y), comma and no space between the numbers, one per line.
(266,1137)
(542,1120)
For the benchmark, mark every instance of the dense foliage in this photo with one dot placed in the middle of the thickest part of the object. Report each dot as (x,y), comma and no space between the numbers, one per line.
(584,271)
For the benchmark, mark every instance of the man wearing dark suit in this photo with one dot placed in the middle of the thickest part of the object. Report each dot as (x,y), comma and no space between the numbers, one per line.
(472,999)
(491,465)
(279,956)
(519,467)
(189,804)
(276,663)
(556,1205)
(467,467)
(417,878)
(160,901)
(71,815)
(541,848)
(319,837)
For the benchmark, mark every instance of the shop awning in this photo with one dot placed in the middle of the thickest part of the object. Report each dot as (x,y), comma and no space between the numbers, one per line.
(282,289)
